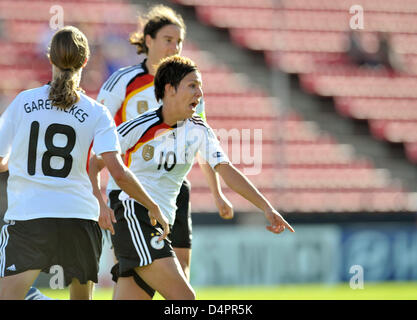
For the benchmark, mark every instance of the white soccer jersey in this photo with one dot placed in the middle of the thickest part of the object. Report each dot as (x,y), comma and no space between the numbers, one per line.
(49,149)
(128,93)
(161,156)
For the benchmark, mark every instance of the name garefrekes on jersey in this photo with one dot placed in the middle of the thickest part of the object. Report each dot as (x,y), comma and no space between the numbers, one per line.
(46,104)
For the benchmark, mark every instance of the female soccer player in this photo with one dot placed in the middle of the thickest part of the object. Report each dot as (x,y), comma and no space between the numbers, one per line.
(160,147)
(46,136)
(130,91)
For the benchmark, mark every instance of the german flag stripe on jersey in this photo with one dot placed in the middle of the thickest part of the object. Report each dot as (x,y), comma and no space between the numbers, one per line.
(139,83)
(157,129)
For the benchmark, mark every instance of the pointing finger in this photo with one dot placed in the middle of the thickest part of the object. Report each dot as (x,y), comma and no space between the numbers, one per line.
(165,234)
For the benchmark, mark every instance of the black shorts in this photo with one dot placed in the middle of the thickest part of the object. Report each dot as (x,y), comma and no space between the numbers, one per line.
(38,244)
(181,233)
(3,195)
(135,239)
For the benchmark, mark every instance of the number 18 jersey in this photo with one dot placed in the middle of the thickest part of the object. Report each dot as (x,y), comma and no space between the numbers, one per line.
(49,150)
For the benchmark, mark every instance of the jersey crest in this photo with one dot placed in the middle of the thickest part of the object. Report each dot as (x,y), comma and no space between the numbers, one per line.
(148,152)
(142,106)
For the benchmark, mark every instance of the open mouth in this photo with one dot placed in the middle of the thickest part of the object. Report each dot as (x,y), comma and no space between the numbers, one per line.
(194,105)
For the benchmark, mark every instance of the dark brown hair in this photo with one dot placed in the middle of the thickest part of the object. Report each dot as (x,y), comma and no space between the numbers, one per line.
(69,52)
(172,70)
(158,17)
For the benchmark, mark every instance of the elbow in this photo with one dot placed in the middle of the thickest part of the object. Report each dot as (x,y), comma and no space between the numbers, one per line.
(228,172)
(119,175)
(223,168)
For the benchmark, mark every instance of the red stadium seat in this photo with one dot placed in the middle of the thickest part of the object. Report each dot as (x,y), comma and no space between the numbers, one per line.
(75,12)
(240,106)
(360,86)
(368,5)
(230,3)
(394,130)
(240,17)
(304,62)
(377,108)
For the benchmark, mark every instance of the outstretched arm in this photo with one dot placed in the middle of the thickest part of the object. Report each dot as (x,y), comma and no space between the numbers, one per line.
(106,218)
(222,203)
(241,185)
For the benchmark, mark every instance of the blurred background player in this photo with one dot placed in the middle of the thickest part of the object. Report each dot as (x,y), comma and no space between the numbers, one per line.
(160,147)
(50,169)
(130,91)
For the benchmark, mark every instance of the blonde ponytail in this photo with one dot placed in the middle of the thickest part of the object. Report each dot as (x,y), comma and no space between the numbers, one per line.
(63,91)
(68,52)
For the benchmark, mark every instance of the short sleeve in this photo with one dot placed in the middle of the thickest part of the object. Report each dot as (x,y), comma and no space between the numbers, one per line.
(8,122)
(128,133)
(211,150)
(112,101)
(105,135)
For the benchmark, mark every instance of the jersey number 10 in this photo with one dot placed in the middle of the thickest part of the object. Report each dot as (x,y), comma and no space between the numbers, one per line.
(169,161)
(52,150)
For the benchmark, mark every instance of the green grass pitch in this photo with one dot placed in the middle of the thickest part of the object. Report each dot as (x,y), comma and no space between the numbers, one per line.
(371,291)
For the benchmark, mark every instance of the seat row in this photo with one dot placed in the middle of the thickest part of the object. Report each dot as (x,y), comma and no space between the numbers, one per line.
(342,5)
(74,11)
(307,20)
(317,201)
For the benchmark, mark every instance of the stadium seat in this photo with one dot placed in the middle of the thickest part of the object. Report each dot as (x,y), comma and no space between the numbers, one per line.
(368,5)
(394,130)
(229,3)
(377,108)
(240,17)
(305,20)
(304,62)
(75,12)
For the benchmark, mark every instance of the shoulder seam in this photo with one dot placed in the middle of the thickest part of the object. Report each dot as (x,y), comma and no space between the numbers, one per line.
(128,126)
(198,121)
(115,78)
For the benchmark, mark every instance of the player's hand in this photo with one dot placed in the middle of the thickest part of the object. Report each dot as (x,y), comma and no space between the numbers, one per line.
(106,218)
(225,207)
(278,223)
(155,215)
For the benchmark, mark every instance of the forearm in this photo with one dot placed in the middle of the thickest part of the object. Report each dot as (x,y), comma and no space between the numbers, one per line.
(211,176)
(242,185)
(95,166)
